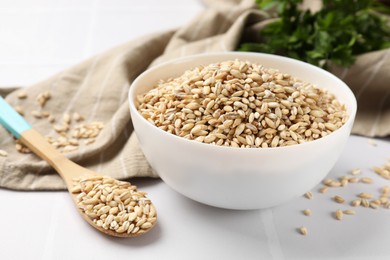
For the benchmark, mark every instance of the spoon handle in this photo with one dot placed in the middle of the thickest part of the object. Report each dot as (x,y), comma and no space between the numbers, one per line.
(11,119)
(22,130)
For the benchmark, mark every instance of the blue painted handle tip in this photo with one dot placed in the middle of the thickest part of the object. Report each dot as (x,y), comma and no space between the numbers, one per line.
(11,119)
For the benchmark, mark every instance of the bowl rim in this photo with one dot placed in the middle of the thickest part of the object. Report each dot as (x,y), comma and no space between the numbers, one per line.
(190,58)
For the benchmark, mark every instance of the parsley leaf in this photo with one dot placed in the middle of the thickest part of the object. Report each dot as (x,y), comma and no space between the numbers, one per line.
(335,34)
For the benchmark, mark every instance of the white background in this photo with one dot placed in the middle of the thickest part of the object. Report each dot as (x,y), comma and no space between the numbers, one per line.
(41,37)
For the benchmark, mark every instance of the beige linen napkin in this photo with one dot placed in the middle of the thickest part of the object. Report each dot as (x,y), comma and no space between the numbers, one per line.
(97,89)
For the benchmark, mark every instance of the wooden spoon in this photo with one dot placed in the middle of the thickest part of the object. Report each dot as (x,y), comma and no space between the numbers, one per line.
(67,169)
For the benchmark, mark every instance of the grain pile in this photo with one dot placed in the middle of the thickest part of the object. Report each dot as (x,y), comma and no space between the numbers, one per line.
(114,205)
(241,104)
(70,131)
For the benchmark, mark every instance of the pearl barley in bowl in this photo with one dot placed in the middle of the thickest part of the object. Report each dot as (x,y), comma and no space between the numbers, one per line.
(241,130)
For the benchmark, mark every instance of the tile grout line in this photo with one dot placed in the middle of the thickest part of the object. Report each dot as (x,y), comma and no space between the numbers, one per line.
(52,227)
(91,29)
(274,246)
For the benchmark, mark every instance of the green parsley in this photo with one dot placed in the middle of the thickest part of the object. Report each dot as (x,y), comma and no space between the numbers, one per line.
(335,34)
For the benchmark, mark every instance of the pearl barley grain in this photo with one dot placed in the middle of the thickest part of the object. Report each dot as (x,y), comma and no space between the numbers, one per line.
(244,105)
(309,195)
(114,205)
(3,153)
(339,214)
(303,231)
(338,199)
(22,94)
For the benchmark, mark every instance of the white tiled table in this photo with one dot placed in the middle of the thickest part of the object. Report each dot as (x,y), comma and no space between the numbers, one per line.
(41,37)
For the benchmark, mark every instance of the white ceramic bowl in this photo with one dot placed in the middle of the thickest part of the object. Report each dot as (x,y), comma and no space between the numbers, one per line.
(240,178)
